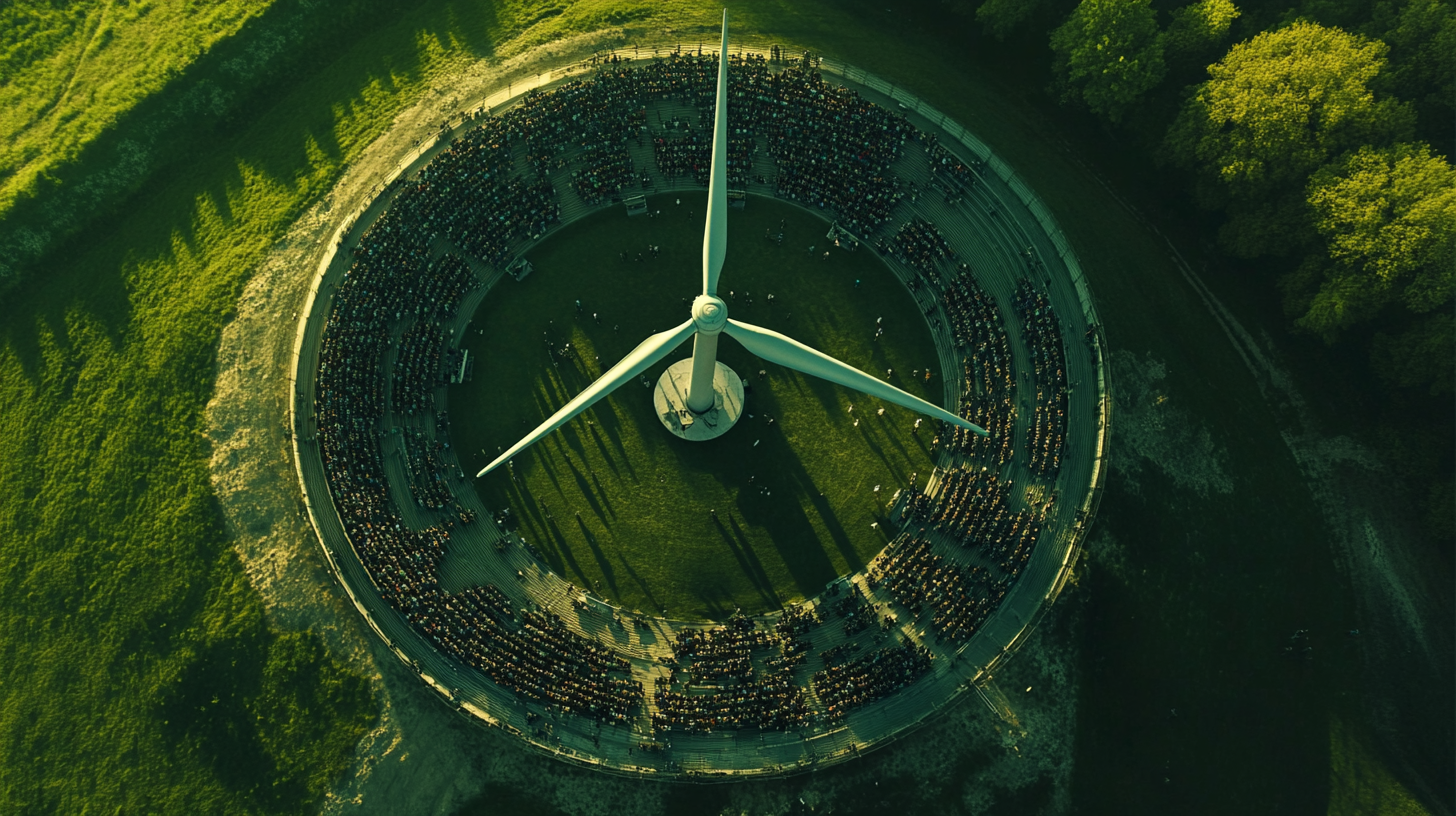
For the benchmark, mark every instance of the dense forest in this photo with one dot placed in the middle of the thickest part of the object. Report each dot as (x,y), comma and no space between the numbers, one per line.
(1316,143)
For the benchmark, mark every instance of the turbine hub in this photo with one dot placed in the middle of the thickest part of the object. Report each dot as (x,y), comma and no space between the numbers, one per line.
(710,314)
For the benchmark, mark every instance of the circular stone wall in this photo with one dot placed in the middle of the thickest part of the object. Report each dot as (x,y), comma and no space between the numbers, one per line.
(980,550)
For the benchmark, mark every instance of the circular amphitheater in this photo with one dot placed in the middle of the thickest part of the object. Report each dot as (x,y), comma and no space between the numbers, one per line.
(976,554)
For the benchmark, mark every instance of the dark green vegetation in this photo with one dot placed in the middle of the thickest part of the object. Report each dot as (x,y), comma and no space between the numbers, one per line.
(1307,138)
(794,497)
(1321,131)
(108,530)
(69,71)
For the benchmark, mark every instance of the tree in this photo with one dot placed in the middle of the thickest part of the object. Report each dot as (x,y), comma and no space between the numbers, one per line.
(1196,32)
(1109,53)
(1388,219)
(1422,355)
(1422,39)
(1278,107)
(1002,17)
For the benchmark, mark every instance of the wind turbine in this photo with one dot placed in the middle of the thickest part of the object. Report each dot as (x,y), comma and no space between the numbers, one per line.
(713,391)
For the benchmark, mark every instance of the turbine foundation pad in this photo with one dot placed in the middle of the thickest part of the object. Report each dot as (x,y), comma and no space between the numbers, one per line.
(670,400)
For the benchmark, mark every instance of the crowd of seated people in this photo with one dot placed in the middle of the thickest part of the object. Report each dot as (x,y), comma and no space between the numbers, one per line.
(599,110)
(843,687)
(532,653)
(722,652)
(1012,550)
(972,506)
(690,154)
(770,702)
(417,368)
(349,395)
(604,171)
(833,147)
(988,398)
(432,299)
(469,194)
(857,612)
(1046,435)
(725,685)
(919,245)
(793,628)
(960,597)
(944,164)
(691,79)
(427,474)
(535,655)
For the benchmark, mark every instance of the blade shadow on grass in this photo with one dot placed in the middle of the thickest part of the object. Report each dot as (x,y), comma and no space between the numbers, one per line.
(760,584)
(611,426)
(794,538)
(586,492)
(755,566)
(608,571)
(641,584)
(606,453)
(568,558)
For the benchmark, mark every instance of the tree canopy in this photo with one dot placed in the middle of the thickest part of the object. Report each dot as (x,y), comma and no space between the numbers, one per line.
(1422,39)
(1419,356)
(1110,53)
(1001,17)
(1282,104)
(1388,219)
(1197,30)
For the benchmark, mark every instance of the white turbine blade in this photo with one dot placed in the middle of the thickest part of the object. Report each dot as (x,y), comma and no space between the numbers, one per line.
(715,232)
(790,353)
(651,350)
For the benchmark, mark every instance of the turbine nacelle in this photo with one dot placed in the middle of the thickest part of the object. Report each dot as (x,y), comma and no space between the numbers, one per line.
(710,314)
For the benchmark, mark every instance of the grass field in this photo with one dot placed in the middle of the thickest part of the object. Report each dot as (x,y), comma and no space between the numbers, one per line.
(794,496)
(67,73)
(139,672)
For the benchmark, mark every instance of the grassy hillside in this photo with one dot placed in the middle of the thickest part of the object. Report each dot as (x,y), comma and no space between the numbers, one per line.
(68,72)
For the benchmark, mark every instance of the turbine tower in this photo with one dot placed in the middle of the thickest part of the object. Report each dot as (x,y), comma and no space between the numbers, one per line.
(700,387)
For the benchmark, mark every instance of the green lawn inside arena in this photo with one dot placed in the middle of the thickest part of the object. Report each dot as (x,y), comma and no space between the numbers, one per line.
(631,506)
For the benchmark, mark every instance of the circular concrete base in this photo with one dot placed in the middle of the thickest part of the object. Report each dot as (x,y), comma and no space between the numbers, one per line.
(671,402)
